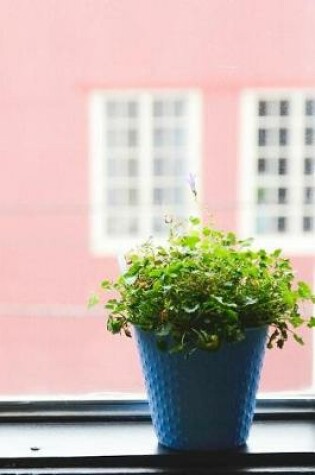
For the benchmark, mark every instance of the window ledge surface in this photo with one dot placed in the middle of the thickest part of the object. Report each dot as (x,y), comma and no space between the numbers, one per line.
(115,443)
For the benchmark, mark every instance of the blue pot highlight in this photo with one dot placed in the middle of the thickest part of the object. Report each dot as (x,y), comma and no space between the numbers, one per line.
(205,401)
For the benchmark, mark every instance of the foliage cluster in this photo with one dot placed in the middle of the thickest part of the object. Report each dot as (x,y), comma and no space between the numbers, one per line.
(204,287)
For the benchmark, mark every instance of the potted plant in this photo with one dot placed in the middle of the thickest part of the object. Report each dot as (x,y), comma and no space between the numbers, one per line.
(203,307)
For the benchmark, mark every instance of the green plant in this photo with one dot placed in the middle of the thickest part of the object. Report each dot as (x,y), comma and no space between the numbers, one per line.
(204,287)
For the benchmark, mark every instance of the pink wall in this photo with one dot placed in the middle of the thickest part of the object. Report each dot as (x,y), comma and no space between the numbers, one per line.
(53,53)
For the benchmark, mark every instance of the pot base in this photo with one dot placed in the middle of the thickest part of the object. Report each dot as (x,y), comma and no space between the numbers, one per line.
(205,401)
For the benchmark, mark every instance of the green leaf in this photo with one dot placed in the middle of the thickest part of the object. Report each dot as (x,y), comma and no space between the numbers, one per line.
(311,323)
(106,285)
(165,330)
(304,290)
(111,304)
(231,238)
(250,301)
(297,321)
(190,241)
(194,220)
(298,339)
(177,348)
(114,325)
(93,300)
(191,309)
(130,279)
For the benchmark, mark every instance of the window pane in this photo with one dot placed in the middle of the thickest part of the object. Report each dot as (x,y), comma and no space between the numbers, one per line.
(263,225)
(117,226)
(308,223)
(309,166)
(309,136)
(262,195)
(262,165)
(106,107)
(262,108)
(282,166)
(283,136)
(161,137)
(158,108)
(282,195)
(310,107)
(179,137)
(132,109)
(132,167)
(284,108)
(179,108)
(113,108)
(309,195)
(282,224)
(262,137)
(132,138)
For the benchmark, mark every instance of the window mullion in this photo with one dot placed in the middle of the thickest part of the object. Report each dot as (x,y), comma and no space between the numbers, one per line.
(296,154)
(145,160)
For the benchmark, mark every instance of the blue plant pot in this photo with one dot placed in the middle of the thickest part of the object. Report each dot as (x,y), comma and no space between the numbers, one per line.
(205,401)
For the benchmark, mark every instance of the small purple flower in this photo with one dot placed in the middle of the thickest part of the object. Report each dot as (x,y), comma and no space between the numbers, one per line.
(192,183)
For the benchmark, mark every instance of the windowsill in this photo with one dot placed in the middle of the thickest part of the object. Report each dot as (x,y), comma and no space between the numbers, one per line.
(114,440)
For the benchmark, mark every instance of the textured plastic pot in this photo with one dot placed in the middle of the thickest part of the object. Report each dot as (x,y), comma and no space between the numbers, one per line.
(205,401)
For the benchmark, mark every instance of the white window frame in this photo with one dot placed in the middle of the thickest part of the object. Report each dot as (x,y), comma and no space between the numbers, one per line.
(298,243)
(103,245)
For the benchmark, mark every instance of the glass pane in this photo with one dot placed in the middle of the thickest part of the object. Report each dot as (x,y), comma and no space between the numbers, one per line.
(180,167)
(133,167)
(121,167)
(283,136)
(310,107)
(132,138)
(113,109)
(132,109)
(264,225)
(282,224)
(167,166)
(161,138)
(308,223)
(282,166)
(106,107)
(262,165)
(309,136)
(282,195)
(309,195)
(115,167)
(159,196)
(262,195)
(309,166)
(126,226)
(179,108)
(133,196)
(117,197)
(262,137)
(158,108)
(179,137)
(159,226)
(284,108)
(262,108)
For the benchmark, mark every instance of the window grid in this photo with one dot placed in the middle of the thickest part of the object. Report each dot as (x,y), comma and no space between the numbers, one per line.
(277,154)
(144,144)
